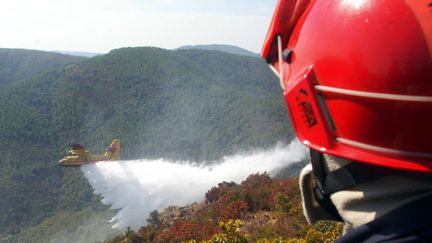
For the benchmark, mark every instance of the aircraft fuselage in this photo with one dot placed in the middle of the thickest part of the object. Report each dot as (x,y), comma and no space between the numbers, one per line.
(76,161)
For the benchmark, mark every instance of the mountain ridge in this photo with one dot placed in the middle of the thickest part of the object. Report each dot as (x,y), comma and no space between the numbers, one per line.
(79,53)
(231,49)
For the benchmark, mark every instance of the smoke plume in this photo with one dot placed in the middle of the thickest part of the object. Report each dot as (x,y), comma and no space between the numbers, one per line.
(137,187)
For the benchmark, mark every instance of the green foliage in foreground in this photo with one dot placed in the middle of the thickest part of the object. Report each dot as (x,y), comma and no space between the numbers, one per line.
(230,233)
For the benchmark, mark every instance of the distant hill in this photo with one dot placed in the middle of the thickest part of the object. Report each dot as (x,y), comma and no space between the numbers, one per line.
(79,53)
(21,65)
(184,105)
(223,48)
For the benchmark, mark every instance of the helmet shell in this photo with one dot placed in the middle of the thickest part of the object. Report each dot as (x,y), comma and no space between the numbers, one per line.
(358,83)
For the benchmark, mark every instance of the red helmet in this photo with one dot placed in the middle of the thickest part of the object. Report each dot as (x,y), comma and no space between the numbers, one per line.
(357,77)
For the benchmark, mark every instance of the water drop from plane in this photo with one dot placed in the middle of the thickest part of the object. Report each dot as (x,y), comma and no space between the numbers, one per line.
(137,187)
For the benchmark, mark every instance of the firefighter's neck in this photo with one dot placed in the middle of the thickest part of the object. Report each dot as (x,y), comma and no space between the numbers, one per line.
(367,201)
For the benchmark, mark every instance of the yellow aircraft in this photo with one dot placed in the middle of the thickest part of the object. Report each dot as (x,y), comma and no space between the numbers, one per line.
(78,155)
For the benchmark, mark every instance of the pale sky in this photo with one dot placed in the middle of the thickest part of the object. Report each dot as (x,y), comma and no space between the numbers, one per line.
(103,25)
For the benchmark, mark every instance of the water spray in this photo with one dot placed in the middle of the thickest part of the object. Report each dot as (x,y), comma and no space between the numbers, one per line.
(137,187)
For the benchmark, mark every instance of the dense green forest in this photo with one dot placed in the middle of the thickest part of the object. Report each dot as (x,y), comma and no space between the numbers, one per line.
(185,104)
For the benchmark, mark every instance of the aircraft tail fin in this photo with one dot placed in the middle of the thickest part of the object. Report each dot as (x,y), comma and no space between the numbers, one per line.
(113,151)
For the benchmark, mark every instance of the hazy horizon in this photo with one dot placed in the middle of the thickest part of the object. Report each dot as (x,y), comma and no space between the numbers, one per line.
(101,53)
(103,25)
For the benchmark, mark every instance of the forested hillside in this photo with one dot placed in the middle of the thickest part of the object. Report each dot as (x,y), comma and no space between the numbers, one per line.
(186,104)
(30,183)
(21,65)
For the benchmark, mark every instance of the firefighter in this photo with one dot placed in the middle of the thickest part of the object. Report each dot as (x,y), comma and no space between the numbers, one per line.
(357,80)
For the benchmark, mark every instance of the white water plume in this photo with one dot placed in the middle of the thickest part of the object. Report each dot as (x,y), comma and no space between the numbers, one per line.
(137,187)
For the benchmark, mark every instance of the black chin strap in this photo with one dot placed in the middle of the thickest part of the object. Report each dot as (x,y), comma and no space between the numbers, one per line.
(321,192)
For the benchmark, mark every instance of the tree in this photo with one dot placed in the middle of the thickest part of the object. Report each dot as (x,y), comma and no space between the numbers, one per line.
(154,218)
(282,203)
(230,233)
